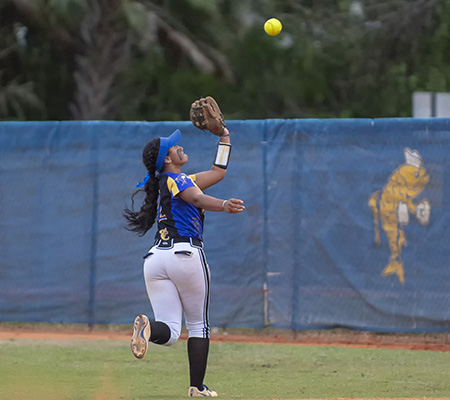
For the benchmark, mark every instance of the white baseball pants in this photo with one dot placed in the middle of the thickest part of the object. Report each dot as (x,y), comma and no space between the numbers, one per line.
(177,280)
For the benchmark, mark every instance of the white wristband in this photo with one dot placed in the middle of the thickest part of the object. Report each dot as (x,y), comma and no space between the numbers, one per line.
(223,205)
(222,155)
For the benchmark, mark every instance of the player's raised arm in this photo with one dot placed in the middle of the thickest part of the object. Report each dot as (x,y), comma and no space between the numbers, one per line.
(205,114)
(219,168)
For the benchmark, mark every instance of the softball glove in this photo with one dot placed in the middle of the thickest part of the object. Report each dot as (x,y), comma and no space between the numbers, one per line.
(205,114)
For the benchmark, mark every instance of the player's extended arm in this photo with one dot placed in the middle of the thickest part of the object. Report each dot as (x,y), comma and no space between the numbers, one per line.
(209,178)
(197,198)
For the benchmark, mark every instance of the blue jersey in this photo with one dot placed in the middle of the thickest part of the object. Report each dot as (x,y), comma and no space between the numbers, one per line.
(176,217)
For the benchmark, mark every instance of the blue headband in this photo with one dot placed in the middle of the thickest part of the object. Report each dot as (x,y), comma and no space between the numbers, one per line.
(165,145)
(147,177)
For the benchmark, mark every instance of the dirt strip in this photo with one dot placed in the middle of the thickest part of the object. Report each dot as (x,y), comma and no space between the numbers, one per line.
(346,339)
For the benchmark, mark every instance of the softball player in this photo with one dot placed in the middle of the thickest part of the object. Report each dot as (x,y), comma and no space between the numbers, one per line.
(176,273)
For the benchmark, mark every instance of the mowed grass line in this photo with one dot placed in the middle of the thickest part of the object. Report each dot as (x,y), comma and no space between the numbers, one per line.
(106,370)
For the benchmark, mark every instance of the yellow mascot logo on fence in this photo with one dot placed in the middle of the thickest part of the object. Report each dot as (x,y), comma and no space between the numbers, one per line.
(394,203)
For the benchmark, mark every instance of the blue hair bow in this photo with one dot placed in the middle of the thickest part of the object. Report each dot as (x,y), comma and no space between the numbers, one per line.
(140,184)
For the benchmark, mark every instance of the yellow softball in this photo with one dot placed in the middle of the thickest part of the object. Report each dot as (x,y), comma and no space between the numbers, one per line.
(273,27)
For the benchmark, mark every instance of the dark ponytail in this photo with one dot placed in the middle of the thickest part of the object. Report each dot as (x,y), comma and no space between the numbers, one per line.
(141,221)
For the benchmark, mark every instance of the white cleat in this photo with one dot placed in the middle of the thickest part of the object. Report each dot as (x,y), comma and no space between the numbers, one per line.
(206,392)
(141,336)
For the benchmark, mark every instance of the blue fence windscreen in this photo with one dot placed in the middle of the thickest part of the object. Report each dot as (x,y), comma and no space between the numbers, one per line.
(346,223)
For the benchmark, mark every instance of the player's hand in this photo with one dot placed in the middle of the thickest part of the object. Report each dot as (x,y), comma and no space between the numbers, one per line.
(233,206)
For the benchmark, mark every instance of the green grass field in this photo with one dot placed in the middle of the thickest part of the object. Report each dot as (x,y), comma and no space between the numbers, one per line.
(106,370)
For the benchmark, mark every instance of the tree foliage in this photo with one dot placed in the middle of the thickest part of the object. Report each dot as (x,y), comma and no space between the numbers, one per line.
(149,59)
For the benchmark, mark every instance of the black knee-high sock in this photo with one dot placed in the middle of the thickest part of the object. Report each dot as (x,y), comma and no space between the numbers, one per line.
(160,332)
(198,349)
